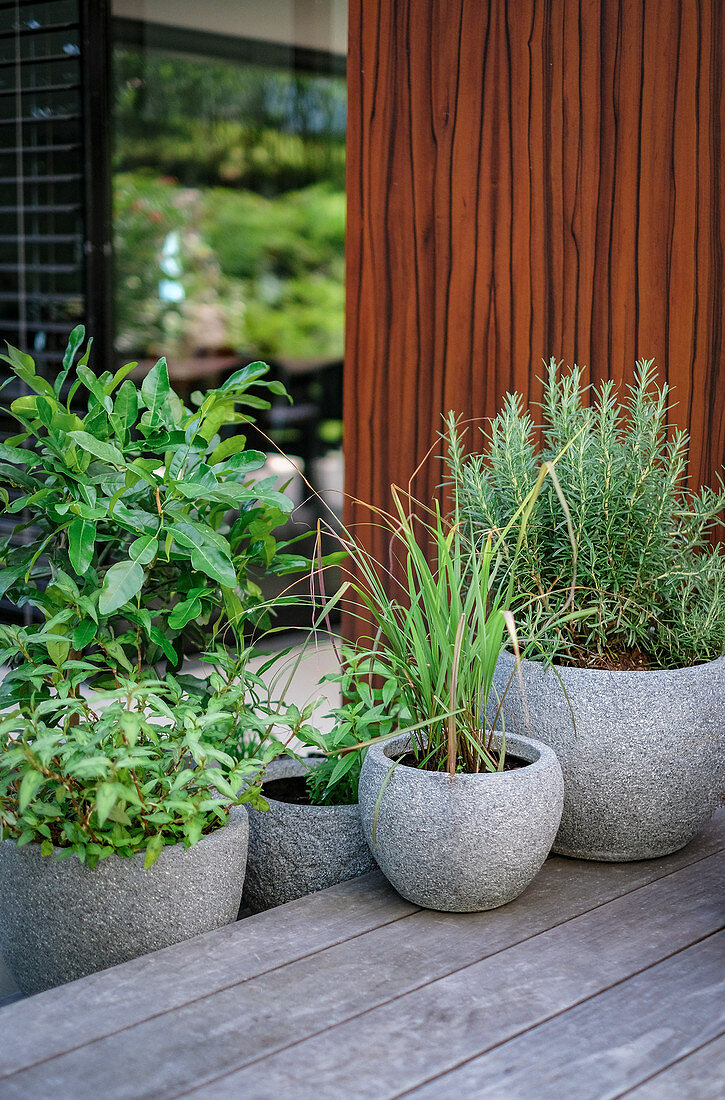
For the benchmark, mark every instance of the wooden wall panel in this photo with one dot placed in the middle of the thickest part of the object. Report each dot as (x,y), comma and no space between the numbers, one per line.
(525,179)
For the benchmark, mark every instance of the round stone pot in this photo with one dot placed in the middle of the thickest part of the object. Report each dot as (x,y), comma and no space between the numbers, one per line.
(59,920)
(461,843)
(295,849)
(644,769)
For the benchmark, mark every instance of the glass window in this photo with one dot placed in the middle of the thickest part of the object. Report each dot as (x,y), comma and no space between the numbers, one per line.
(229,200)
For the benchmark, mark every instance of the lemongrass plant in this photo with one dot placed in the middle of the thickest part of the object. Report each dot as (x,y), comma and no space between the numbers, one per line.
(438,632)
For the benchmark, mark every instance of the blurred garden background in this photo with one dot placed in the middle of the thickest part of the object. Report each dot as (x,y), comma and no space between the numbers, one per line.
(229,208)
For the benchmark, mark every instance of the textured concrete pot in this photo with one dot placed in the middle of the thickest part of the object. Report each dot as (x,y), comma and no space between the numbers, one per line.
(461,843)
(644,771)
(60,921)
(295,850)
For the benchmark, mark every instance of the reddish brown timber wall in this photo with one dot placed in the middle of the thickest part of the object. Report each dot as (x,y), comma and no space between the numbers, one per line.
(525,179)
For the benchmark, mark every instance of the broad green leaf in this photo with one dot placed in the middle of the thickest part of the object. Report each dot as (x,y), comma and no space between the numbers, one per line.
(253,402)
(153,850)
(192,831)
(120,816)
(24,406)
(125,409)
(88,607)
(135,518)
(46,848)
(74,342)
(10,576)
(156,391)
(231,446)
(81,543)
(19,455)
(58,646)
(18,358)
(232,605)
(229,492)
(191,533)
(93,384)
(220,412)
(246,461)
(115,650)
(105,801)
(198,485)
(105,451)
(164,644)
(207,559)
(91,767)
(140,616)
(18,477)
(121,583)
(83,634)
(144,550)
(67,422)
(242,378)
(118,377)
(184,612)
(24,367)
(28,787)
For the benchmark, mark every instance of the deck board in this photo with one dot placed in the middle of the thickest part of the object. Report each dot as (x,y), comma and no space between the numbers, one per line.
(120,997)
(611,1042)
(355,992)
(700,1076)
(402,1043)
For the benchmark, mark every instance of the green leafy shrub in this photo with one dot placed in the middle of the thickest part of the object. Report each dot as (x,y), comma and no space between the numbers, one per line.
(642,580)
(137,529)
(138,524)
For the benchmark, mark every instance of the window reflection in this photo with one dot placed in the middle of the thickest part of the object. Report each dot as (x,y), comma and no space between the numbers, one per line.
(229,206)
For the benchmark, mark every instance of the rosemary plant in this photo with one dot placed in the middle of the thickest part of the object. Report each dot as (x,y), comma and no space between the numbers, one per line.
(645,587)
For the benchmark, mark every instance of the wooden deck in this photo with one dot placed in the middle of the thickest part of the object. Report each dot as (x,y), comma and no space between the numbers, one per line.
(601,980)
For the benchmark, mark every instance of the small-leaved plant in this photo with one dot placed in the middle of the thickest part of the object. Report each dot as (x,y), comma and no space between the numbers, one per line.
(151,763)
(645,586)
(371,708)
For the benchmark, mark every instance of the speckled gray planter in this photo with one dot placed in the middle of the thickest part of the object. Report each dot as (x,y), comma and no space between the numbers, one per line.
(60,921)
(644,772)
(295,850)
(461,843)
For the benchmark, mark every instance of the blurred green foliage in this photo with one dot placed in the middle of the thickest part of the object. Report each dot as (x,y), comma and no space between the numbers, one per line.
(228,190)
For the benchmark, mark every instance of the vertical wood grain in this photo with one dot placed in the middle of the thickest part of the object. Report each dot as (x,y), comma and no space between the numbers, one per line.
(527,179)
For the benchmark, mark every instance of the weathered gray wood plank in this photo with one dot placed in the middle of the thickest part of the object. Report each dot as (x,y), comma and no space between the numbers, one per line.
(125,995)
(700,1076)
(386,1050)
(57,1020)
(376,1041)
(608,1044)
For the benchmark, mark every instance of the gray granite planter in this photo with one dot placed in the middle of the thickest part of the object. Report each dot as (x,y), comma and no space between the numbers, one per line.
(60,921)
(461,843)
(295,850)
(645,769)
